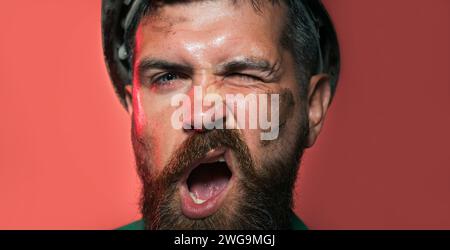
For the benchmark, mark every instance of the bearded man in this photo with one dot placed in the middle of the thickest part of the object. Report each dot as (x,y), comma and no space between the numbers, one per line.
(203,176)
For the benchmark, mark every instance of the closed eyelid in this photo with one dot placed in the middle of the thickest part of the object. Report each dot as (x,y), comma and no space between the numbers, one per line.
(252,67)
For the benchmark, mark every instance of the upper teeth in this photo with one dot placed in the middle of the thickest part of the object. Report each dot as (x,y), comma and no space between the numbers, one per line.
(195,199)
(221,159)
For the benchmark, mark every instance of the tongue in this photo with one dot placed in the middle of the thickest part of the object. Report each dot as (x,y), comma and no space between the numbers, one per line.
(208,180)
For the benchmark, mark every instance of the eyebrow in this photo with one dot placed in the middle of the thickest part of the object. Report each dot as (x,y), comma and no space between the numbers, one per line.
(149,63)
(246,64)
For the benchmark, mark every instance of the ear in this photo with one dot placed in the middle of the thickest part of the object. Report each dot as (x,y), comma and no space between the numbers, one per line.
(319,99)
(129,98)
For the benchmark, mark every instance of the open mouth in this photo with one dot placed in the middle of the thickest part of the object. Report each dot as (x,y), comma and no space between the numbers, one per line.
(206,185)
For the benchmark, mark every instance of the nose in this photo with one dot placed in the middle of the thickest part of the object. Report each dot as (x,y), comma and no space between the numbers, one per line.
(206,110)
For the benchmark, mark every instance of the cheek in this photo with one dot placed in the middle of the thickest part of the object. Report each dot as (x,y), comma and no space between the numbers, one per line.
(155,118)
(288,121)
(139,118)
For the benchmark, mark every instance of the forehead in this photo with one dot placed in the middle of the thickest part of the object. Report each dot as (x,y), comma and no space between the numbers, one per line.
(212,30)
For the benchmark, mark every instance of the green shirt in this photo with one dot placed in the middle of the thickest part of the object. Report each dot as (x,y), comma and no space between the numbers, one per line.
(296,224)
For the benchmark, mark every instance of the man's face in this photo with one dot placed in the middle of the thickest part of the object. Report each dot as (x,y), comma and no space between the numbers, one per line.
(218,178)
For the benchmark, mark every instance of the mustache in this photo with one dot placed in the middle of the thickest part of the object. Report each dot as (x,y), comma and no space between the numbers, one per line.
(197,145)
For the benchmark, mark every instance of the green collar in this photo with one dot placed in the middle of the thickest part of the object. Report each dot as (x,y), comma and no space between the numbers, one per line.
(296,224)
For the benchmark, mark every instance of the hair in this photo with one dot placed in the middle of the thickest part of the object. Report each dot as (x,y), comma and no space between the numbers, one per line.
(299,36)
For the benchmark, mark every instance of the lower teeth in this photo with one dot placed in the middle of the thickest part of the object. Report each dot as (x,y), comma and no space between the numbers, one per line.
(195,199)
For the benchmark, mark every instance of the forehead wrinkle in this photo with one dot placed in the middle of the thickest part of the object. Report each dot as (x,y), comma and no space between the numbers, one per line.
(161,13)
(162,23)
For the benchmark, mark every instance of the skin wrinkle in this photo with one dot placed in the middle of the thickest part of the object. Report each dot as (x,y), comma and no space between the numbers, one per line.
(287,105)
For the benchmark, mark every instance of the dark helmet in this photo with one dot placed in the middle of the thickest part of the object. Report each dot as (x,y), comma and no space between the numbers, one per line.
(120,16)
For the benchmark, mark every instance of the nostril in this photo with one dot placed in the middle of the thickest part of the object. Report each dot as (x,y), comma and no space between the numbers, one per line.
(202,128)
(191,128)
(199,130)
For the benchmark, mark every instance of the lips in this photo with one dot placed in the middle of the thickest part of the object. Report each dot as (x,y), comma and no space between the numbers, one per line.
(206,184)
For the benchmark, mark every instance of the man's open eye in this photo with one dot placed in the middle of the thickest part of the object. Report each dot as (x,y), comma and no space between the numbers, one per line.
(167,79)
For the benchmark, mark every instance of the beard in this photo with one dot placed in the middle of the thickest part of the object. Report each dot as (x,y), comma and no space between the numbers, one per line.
(262,198)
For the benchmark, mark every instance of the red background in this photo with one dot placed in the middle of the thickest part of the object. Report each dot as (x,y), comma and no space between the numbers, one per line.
(382,160)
